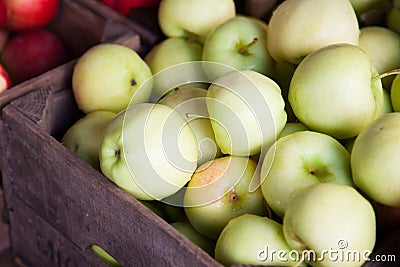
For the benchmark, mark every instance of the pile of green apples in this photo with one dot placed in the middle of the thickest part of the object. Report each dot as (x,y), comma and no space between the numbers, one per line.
(258,139)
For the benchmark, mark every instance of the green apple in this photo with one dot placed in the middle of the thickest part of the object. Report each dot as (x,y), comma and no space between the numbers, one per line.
(107,76)
(240,42)
(247,112)
(193,18)
(172,51)
(387,102)
(219,191)
(374,160)
(149,150)
(300,27)
(253,240)
(292,127)
(107,258)
(334,222)
(190,102)
(186,229)
(299,160)
(384,60)
(336,90)
(85,136)
(395,93)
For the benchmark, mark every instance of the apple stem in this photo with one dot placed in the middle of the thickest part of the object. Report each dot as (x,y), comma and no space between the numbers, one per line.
(388,73)
(244,49)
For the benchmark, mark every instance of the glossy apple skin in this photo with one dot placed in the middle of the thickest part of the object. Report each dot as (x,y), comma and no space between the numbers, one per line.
(149,151)
(110,77)
(31,53)
(30,14)
(333,91)
(219,191)
(194,18)
(371,39)
(299,160)
(246,238)
(329,216)
(299,27)
(85,136)
(124,6)
(227,43)
(374,160)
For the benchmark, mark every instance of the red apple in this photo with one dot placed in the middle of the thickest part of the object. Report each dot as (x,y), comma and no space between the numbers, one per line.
(5,81)
(124,6)
(30,14)
(3,13)
(30,53)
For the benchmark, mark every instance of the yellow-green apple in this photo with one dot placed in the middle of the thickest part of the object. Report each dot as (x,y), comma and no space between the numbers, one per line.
(292,127)
(107,77)
(105,256)
(395,93)
(220,191)
(387,102)
(149,150)
(299,160)
(384,60)
(85,136)
(253,240)
(334,222)
(374,163)
(186,229)
(26,15)
(336,90)
(172,51)
(240,42)
(193,18)
(167,59)
(42,51)
(247,112)
(190,102)
(299,27)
